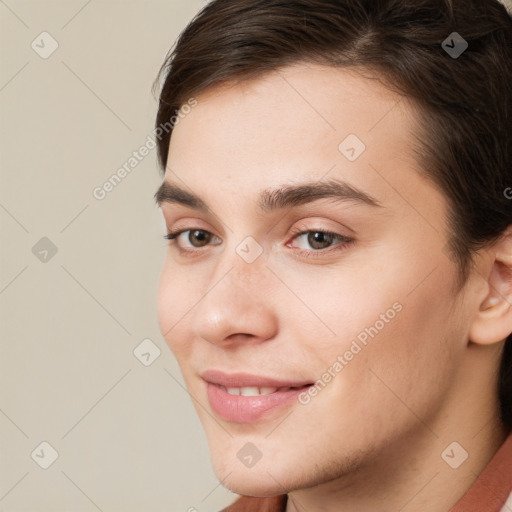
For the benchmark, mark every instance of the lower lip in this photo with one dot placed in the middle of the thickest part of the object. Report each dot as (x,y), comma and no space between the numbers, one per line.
(248,409)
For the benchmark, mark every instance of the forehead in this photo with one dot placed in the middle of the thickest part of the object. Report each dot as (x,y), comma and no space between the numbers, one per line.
(304,121)
(319,96)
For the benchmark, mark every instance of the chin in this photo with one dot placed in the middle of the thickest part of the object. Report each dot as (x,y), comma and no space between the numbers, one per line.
(247,486)
(255,481)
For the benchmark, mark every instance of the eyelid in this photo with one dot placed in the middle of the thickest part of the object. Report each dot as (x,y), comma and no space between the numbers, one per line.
(316,229)
(173,234)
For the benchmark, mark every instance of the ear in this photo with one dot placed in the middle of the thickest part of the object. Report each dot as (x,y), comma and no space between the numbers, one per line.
(493,320)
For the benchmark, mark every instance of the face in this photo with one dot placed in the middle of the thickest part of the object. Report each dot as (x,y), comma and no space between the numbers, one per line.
(310,256)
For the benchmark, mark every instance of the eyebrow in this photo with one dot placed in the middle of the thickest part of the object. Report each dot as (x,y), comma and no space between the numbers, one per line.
(285,196)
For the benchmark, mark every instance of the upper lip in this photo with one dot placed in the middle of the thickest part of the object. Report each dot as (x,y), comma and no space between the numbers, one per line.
(242,380)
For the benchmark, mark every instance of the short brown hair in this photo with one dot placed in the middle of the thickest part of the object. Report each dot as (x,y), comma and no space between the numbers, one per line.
(465,101)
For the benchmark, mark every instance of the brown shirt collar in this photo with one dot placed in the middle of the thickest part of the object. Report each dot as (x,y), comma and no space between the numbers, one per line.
(490,490)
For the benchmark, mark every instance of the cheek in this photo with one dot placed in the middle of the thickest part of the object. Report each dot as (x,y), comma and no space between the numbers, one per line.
(395,331)
(332,309)
(174,300)
(408,365)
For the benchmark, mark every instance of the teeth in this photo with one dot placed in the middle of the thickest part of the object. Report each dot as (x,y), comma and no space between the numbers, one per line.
(252,391)
(267,391)
(249,391)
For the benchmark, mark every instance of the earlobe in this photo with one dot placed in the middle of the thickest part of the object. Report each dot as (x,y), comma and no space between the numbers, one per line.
(492,322)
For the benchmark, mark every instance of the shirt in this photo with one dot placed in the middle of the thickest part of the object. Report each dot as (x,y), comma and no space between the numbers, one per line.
(488,493)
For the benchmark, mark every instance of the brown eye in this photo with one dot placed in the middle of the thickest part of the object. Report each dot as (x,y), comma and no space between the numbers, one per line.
(199,237)
(316,243)
(186,239)
(320,239)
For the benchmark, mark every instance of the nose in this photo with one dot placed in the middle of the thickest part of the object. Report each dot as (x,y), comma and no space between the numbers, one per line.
(237,308)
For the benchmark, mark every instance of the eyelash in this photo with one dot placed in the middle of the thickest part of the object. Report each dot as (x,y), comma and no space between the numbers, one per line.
(344,241)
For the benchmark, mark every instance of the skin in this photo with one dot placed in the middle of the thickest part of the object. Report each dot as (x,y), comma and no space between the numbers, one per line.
(372,439)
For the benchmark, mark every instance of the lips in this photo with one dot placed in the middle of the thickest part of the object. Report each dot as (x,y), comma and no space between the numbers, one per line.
(246,380)
(253,390)
(245,398)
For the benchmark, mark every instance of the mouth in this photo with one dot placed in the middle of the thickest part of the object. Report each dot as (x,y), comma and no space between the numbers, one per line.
(247,380)
(245,398)
(257,391)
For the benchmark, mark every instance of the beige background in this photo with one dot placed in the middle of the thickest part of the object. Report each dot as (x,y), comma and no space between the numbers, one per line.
(127,436)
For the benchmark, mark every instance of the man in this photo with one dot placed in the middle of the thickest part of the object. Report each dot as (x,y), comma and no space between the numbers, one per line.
(338,283)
